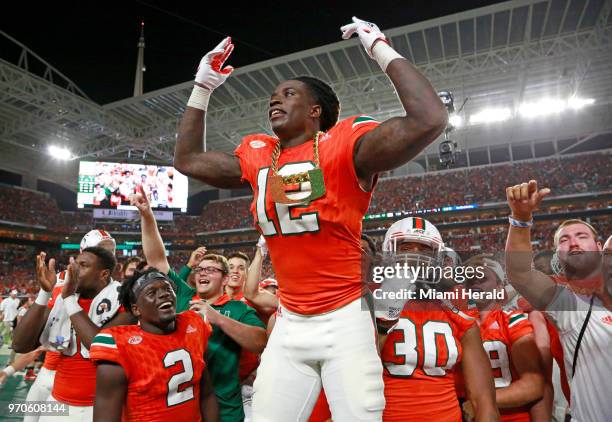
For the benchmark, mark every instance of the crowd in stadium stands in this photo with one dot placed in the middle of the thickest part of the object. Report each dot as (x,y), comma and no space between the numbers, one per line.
(588,173)
(29,207)
(568,175)
(78,220)
(17,261)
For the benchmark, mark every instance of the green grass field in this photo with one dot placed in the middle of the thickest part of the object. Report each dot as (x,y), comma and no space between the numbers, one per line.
(14,390)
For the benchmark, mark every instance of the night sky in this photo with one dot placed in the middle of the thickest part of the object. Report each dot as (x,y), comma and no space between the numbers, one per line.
(94,43)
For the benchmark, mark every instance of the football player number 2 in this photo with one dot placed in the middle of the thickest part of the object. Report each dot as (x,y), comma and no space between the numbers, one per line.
(175,396)
(408,351)
(307,222)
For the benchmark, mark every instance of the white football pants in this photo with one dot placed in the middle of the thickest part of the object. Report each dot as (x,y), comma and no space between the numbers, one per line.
(40,389)
(336,350)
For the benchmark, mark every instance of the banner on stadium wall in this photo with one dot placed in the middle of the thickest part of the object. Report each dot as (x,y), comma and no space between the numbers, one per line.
(129,214)
(448,208)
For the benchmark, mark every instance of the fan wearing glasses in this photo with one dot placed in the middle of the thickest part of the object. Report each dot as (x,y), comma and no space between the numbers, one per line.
(153,371)
(235,327)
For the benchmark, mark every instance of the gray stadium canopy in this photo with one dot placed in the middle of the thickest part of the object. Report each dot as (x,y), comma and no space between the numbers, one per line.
(497,56)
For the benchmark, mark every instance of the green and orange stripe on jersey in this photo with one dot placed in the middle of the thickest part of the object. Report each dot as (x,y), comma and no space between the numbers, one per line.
(104,340)
(363,119)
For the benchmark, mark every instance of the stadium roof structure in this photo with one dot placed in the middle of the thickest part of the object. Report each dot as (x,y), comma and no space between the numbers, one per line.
(497,56)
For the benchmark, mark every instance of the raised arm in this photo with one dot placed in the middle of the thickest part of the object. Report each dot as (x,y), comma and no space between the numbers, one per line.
(152,243)
(538,288)
(263,301)
(399,139)
(215,168)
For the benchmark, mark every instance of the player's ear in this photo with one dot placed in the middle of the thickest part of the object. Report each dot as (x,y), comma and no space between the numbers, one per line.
(135,310)
(315,111)
(105,274)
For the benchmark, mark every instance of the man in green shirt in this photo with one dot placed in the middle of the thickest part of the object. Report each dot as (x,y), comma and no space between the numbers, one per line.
(235,325)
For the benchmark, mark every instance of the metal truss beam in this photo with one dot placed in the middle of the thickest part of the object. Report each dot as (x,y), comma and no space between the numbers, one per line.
(370,91)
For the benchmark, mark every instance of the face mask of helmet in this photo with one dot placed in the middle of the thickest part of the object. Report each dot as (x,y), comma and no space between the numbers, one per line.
(425,265)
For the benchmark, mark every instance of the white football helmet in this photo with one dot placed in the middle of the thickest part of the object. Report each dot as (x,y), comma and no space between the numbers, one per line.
(94,237)
(451,257)
(415,230)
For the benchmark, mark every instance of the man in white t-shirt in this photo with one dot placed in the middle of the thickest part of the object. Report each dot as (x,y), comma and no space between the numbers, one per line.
(9,307)
(567,299)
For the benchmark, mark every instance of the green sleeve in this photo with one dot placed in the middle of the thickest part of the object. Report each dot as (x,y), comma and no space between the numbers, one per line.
(182,288)
(249,317)
(184,272)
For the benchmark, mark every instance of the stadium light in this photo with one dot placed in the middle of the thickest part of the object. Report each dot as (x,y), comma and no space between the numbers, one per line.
(455,120)
(543,107)
(578,103)
(60,153)
(550,106)
(490,115)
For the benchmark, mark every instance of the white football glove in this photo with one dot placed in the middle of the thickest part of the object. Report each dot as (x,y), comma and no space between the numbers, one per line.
(211,72)
(263,247)
(368,33)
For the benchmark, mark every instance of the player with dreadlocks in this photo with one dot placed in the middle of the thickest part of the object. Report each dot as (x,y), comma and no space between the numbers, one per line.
(312,183)
(153,371)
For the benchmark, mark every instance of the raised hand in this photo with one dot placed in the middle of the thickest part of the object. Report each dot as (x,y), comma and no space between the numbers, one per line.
(196,257)
(72,279)
(140,200)
(208,312)
(524,199)
(211,73)
(368,33)
(45,274)
(262,246)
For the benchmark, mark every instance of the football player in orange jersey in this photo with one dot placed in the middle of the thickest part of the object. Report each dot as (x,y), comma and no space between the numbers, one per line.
(432,340)
(40,390)
(312,185)
(509,341)
(88,302)
(154,371)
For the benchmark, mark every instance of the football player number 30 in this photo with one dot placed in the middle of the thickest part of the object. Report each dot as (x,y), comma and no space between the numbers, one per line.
(408,349)
(174,383)
(307,222)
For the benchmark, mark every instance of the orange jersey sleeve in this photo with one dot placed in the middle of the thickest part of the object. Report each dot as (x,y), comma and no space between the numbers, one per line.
(163,371)
(313,277)
(420,358)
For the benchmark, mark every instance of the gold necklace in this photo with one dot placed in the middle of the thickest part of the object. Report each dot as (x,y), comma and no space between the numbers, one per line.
(298,177)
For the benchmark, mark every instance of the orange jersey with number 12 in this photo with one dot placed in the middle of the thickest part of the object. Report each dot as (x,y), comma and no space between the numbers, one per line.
(315,248)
